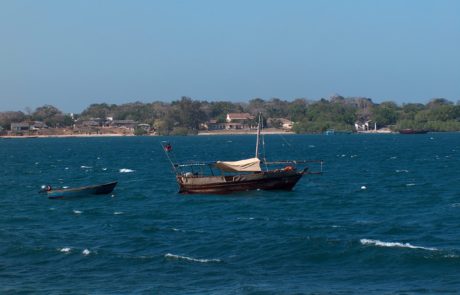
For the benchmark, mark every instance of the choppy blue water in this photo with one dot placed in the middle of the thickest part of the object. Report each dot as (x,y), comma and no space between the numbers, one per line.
(383,218)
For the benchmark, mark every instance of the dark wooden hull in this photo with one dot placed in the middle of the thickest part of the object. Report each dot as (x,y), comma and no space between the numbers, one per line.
(412,131)
(271,180)
(102,189)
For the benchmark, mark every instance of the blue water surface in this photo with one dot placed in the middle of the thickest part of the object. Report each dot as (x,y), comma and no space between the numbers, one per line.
(383,218)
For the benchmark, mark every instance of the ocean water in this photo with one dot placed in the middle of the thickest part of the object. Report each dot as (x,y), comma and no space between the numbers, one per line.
(383,218)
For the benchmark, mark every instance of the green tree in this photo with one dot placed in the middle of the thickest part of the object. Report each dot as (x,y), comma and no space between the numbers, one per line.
(45,112)
(99,110)
(187,113)
(6,118)
(51,116)
(385,114)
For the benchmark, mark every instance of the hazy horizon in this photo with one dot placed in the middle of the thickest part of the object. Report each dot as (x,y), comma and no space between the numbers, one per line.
(73,54)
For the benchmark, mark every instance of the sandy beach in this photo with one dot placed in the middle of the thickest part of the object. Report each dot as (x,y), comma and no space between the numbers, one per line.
(216,132)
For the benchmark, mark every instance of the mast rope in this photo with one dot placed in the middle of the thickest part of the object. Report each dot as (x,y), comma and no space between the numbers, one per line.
(285,140)
(163,146)
(263,148)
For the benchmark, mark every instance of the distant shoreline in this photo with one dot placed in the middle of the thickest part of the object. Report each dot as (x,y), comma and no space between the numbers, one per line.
(202,133)
(205,133)
(131,135)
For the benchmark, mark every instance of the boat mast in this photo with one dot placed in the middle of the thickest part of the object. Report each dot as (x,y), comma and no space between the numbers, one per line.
(258,136)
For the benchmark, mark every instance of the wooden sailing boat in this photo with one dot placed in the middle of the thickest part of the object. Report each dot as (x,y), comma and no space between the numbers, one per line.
(237,176)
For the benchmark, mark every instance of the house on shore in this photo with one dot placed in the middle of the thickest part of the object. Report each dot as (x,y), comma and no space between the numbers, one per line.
(245,121)
(212,125)
(126,124)
(146,127)
(38,125)
(282,123)
(366,126)
(20,127)
(233,121)
(91,123)
(240,121)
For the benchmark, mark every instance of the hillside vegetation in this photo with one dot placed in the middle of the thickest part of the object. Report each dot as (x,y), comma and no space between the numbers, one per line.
(184,116)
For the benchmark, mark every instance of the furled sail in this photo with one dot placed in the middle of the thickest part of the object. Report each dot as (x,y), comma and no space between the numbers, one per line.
(247,165)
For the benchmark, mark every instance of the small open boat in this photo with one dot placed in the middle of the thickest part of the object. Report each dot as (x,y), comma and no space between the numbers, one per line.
(83,191)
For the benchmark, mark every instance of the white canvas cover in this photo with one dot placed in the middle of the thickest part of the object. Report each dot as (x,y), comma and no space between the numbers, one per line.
(247,165)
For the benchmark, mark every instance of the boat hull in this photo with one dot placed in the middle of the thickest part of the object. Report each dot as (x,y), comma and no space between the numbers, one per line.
(86,191)
(280,180)
(412,131)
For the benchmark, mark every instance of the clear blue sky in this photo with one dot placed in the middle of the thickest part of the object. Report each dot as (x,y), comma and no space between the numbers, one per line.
(74,53)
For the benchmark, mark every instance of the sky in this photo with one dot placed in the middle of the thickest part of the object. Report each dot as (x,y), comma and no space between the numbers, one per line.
(71,54)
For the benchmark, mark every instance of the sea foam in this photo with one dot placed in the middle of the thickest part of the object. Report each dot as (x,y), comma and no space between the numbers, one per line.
(173,256)
(394,244)
(125,170)
(65,250)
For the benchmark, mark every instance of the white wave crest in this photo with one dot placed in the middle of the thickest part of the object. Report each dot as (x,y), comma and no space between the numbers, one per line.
(117,213)
(173,256)
(245,218)
(126,170)
(85,167)
(77,211)
(394,244)
(451,256)
(401,170)
(65,250)
(86,252)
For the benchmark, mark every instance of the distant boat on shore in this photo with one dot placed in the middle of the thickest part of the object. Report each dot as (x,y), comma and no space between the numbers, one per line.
(333,131)
(412,131)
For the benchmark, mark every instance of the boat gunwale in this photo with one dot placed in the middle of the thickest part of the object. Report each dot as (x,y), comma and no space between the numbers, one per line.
(71,189)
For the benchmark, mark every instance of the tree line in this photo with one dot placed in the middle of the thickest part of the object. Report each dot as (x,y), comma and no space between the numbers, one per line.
(184,116)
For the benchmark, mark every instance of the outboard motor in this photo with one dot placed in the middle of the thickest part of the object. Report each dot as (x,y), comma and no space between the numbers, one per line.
(45,188)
